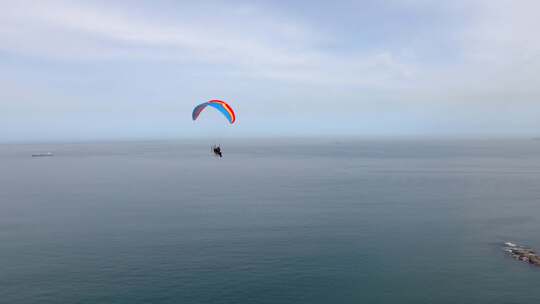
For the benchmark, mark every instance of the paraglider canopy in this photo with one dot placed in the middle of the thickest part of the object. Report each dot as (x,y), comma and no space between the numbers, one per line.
(220,105)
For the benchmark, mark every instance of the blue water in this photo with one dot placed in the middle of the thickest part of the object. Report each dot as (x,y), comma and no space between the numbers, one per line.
(282,221)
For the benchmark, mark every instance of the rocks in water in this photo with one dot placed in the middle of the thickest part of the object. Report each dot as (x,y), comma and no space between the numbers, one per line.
(522,253)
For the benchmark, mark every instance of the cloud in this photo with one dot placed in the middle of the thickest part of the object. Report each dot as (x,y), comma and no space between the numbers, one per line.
(258,44)
(413,65)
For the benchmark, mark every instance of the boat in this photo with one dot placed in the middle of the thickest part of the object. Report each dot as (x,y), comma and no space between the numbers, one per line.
(42,154)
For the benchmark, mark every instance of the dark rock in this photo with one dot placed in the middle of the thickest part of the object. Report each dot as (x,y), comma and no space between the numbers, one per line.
(523,254)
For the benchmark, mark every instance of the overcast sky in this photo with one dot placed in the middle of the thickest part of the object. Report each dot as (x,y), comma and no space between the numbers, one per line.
(77,70)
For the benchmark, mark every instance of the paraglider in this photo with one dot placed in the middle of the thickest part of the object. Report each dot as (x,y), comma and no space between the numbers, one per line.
(224,108)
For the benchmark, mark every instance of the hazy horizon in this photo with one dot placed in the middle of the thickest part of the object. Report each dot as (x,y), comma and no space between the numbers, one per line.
(269,139)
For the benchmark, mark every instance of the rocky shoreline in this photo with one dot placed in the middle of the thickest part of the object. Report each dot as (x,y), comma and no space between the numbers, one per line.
(523,254)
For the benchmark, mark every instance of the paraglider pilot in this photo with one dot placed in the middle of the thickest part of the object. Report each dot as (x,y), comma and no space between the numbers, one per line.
(217,151)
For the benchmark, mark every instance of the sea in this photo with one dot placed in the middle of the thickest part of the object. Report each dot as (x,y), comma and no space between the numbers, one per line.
(291,220)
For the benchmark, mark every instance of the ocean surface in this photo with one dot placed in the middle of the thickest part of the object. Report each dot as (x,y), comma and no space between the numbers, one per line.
(274,221)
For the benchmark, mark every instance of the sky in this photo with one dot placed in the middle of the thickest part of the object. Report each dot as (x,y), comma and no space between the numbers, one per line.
(91,70)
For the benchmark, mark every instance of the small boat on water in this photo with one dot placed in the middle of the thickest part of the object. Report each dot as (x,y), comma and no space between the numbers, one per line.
(42,154)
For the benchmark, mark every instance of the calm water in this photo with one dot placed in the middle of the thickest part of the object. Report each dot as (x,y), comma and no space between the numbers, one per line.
(303,221)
